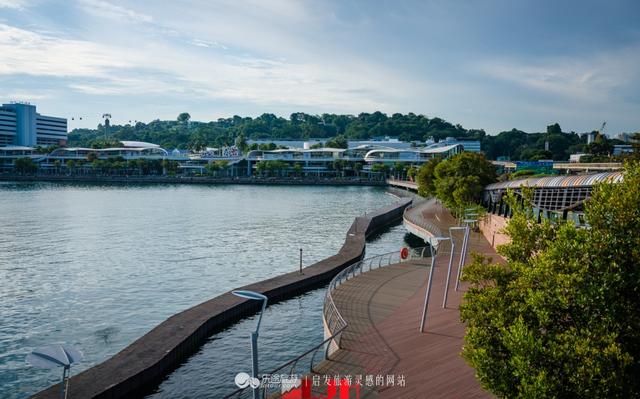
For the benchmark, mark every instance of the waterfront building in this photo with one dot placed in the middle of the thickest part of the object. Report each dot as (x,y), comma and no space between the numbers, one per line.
(468,145)
(413,156)
(558,197)
(384,142)
(21,125)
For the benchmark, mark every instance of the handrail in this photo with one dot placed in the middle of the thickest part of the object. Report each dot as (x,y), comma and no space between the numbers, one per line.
(335,323)
(419,221)
(359,268)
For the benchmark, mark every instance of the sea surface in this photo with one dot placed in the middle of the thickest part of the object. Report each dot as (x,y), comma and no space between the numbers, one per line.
(97,266)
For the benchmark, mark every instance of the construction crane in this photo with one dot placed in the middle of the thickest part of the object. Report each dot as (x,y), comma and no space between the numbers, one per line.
(601,131)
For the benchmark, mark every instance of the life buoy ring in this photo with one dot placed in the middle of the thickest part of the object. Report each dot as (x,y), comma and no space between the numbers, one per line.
(404,253)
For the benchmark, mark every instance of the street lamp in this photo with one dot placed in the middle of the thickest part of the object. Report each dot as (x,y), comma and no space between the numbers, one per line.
(254,334)
(465,246)
(428,293)
(453,246)
(53,356)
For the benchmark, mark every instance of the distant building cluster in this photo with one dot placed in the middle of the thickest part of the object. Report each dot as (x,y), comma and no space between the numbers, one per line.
(22,130)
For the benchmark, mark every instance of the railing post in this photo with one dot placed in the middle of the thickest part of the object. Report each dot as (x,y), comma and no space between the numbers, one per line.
(426,297)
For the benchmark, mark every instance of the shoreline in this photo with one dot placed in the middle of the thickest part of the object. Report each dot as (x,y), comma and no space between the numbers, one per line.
(192,180)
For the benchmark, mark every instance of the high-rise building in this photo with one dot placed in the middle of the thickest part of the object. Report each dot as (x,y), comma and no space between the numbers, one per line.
(21,125)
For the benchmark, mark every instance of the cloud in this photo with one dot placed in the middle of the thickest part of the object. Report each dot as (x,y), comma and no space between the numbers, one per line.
(13,4)
(207,44)
(105,9)
(27,96)
(595,78)
(30,53)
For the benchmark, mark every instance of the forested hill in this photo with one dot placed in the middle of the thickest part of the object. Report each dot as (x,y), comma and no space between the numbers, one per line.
(183,133)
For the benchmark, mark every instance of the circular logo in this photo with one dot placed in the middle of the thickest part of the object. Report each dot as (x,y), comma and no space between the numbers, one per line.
(244,380)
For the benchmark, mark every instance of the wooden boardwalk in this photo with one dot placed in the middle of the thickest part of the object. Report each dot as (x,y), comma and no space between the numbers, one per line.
(383,309)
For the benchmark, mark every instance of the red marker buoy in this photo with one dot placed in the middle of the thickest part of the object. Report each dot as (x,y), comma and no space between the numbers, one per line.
(404,253)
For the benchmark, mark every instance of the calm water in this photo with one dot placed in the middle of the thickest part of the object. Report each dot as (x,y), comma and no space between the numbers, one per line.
(288,329)
(98,266)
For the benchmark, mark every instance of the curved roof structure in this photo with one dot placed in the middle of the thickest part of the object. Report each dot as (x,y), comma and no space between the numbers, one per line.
(138,144)
(559,181)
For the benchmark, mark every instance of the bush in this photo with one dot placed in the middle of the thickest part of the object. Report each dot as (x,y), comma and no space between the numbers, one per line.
(562,317)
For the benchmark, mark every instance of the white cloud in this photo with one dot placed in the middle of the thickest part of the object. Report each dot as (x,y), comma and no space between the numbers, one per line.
(591,79)
(105,9)
(26,96)
(13,4)
(30,53)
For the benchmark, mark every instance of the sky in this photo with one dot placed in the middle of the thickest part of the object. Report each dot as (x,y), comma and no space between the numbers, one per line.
(489,64)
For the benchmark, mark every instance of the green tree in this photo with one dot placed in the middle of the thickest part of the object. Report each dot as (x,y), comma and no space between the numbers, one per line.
(184,118)
(337,142)
(357,167)
(554,129)
(460,180)
(297,169)
(379,168)
(561,319)
(427,177)
(411,173)
(25,165)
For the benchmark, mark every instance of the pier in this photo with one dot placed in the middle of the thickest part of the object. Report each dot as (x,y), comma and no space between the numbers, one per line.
(382,309)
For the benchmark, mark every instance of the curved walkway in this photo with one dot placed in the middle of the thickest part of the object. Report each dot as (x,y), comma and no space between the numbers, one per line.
(383,309)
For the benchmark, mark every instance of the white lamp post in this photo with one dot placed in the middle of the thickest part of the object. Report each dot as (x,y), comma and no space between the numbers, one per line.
(428,293)
(463,254)
(254,335)
(53,356)
(453,246)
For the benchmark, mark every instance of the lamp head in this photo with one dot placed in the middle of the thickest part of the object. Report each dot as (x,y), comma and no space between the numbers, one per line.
(249,295)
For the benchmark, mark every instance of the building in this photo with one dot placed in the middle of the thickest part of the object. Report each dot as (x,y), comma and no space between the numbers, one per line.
(622,149)
(387,142)
(415,156)
(21,125)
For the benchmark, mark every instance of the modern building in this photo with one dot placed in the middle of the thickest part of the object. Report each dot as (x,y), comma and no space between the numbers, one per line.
(559,197)
(21,125)
(413,156)
(468,145)
(622,149)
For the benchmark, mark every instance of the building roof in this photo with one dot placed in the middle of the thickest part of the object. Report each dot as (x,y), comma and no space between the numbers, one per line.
(16,148)
(138,144)
(560,181)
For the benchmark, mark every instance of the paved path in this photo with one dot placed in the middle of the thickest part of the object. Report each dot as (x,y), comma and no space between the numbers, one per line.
(383,309)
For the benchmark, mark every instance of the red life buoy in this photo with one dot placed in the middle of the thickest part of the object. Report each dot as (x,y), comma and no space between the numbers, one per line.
(404,253)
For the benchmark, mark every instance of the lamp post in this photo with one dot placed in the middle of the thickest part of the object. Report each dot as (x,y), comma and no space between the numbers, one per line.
(429,281)
(53,356)
(254,334)
(453,246)
(463,254)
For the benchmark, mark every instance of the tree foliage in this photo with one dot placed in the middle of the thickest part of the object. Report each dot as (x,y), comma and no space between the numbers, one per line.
(457,181)
(561,319)
(427,176)
(25,165)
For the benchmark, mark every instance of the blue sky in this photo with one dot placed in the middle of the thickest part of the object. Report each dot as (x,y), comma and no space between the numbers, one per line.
(492,64)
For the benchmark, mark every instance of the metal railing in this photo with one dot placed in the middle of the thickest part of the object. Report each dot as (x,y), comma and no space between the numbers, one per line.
(333,319)
(335,325)
(412,214)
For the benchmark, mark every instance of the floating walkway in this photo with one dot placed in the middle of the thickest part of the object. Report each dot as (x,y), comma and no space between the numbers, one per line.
(383,310)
